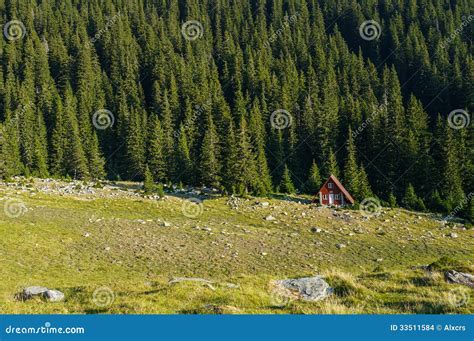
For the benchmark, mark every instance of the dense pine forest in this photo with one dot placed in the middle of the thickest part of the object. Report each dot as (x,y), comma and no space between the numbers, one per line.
(252,97)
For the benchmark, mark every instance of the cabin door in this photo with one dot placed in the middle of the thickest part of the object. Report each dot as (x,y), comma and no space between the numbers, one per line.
(331,199)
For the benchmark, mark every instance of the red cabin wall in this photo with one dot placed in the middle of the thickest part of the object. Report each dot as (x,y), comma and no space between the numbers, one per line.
(326,191)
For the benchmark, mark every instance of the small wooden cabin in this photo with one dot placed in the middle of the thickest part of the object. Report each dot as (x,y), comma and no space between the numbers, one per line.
(333,193)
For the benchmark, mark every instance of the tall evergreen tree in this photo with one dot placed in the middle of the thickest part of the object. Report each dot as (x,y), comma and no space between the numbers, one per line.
(209,156)
(314,183)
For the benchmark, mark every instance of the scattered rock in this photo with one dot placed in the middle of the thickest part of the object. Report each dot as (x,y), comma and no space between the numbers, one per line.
(234,202)
(165,224)
(316,230)
(453,235)
(30,292)
(43,292)
(270,218)
(307,289)
(53,296)
(86,235)
(341,246)
(456,277)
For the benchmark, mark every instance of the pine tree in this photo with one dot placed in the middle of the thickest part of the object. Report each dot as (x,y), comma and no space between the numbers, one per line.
(436,203)
(392,200)
(412,201)
(351,170)
(209,156)
(365,190)
(183,163)
(313,184)
(452,184)
(286,185)
(245,166)
(230,158)
(331,165)
(148,183)
(156,156)
(470,211)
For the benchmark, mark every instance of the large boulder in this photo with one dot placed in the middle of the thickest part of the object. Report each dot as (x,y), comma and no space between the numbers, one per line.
(53,296)
(307,289)
(31,292)
(43,292)
(456,277)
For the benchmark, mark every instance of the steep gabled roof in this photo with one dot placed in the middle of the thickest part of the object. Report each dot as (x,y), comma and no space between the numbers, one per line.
(341,187)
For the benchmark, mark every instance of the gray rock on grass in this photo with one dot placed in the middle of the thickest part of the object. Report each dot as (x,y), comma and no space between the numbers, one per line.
(53,296)
(30,292)
(43,292)
(310,289)
(456,277)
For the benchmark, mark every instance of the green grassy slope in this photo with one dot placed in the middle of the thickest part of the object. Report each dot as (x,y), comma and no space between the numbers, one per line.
(117,246)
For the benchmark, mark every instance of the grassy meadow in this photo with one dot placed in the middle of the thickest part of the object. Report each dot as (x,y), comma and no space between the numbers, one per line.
(111,250)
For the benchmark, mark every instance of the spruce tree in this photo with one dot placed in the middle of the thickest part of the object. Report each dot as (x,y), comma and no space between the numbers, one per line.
(392,200)
(313,184)
(245,165)
(331,165)
(148,183)
(209,156)
(351,170)
(411,201)
(286,185)
(183,163)
(156,156)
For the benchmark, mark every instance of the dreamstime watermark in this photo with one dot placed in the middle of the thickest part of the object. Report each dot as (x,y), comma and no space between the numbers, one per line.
(460,206)
(369,120)
(465,22)
(287,21)
(459,119)
(46,329)
(14,208)
(281,119)
(103,119)
(102,31)
(103,297)
(192,30)
(370,207)
(370,30)
(14,30)
(280,297)
(192,208)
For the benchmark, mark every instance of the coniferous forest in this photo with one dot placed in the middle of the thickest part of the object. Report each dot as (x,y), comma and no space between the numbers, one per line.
(252,97)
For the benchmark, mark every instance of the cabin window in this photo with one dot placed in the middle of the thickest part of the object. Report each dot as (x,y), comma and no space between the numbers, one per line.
(330,185)
(336,196)
(325,196)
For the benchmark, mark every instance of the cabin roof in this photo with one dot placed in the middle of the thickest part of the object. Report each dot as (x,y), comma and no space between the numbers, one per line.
(341,188)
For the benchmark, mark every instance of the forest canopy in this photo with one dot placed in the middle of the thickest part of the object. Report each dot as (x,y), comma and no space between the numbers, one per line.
(246,96)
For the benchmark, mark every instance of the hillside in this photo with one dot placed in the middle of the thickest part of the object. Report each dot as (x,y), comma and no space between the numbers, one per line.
(255,97)
(111,249)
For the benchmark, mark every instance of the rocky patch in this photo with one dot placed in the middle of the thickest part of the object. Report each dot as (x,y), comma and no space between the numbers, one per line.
(309,289)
